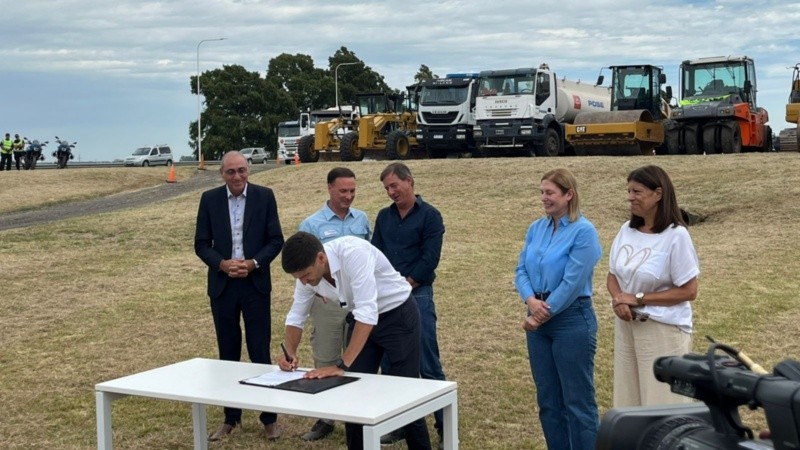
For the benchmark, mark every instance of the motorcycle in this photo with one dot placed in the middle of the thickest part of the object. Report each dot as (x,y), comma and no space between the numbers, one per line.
(33,153)
(63,153)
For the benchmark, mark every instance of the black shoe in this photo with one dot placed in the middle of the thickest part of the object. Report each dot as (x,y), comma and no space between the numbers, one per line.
(395,436)
(320,430)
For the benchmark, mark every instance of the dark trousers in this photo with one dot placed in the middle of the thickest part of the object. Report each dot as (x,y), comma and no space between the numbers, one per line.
(18,158)
(241,298)
(5,161)
(397,335)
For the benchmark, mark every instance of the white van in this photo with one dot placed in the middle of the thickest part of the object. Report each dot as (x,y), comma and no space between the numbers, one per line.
(150,155)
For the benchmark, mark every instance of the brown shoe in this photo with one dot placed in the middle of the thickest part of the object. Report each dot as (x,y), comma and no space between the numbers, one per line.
(272,431)
(224,431)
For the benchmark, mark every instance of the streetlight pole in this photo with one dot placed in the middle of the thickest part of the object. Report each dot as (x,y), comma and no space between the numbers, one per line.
(336,81)
(199,139)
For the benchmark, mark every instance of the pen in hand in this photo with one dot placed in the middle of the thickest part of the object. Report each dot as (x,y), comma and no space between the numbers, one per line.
(286,354)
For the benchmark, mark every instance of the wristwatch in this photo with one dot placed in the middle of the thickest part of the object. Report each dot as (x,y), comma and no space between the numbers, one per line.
(342,365)
(256,264)
(639,298)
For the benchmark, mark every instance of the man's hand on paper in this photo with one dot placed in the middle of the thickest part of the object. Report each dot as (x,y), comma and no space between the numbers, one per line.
(324,372)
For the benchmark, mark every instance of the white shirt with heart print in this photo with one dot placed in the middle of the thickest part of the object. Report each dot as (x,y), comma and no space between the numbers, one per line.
(653,262)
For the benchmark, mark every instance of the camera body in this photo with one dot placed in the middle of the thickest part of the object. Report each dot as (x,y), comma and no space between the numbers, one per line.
(722,384)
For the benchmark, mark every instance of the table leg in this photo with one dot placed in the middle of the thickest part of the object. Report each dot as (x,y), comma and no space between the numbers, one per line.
(450,431)
(199,426)
(372,439)
(103,401)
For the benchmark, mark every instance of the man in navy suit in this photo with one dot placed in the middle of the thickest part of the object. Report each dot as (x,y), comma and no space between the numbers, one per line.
(238,234)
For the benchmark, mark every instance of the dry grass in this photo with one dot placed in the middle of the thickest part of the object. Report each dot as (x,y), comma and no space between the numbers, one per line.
(23,190)
(95,298)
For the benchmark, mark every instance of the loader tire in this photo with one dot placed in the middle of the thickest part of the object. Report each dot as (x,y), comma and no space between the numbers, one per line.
(397,146)
(348,148)
(305,149)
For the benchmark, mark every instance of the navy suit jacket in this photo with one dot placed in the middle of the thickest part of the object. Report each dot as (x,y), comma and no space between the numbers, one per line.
(262,235)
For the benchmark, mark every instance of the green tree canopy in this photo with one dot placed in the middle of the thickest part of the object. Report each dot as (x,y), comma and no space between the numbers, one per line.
(242,109)
(424,73)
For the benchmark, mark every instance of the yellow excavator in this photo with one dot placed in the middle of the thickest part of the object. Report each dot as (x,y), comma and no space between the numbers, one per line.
(636,122)
(788,137)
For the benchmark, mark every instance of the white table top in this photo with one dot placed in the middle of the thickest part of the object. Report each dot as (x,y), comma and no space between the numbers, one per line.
(369,400)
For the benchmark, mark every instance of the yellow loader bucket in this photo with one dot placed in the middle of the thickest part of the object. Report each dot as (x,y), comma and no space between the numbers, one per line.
(615,133)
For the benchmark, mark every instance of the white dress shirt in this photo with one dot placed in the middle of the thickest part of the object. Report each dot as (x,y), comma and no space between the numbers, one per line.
(366,283)
(236,211)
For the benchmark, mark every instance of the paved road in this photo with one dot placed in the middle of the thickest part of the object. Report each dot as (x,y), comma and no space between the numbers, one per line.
(202,180)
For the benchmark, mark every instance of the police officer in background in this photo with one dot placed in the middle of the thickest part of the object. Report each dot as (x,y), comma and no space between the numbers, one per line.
(5,152)
(18,146)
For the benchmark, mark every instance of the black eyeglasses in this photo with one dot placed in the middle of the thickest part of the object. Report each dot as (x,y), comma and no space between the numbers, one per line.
(232,172)
(641,317)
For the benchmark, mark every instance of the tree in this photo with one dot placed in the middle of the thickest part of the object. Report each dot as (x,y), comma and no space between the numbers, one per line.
(424,74)
(306,84)
(242,110)
(354,79)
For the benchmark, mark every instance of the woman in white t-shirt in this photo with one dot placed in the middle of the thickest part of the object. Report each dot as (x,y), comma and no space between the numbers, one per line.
(652,279)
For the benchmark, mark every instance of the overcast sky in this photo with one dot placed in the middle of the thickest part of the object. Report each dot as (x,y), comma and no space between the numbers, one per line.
(115,75)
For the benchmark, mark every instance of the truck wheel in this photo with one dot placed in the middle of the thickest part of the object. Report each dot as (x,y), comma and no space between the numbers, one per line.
(397,146)
(348,148)
(551,145)
(731,138)
(145,163)
(306,151)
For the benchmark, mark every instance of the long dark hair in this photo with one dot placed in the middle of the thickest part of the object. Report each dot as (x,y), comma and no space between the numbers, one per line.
(667,211)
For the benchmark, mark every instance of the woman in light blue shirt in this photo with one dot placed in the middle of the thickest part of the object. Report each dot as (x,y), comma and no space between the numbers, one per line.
(554,280)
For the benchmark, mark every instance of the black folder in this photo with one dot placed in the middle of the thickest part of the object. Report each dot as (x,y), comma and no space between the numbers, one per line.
(307,385)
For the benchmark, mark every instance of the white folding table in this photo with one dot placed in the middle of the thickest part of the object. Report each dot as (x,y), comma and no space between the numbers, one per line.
(380,403)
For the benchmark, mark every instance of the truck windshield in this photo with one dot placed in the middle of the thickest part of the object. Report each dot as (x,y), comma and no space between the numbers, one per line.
(631,88)
(713,80)
(507,85)
(141,151)
(445,95)
(288,130)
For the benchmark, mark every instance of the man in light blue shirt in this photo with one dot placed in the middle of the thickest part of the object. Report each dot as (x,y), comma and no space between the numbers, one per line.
(335,219)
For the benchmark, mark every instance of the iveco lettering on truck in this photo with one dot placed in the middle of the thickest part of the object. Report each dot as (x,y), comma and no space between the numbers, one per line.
(524,110)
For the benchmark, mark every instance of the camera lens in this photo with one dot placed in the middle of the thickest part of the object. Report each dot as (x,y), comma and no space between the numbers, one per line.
(672,433)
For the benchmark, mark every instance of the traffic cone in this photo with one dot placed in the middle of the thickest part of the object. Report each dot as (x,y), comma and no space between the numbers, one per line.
(171,176)
(202,165)
(296,159)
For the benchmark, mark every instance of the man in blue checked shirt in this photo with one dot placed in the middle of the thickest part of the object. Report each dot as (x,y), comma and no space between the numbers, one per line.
(335,219)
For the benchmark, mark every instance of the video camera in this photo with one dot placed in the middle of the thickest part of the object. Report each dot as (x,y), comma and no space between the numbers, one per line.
(722,383)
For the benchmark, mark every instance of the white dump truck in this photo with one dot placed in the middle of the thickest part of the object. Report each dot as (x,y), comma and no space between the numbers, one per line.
(525,110)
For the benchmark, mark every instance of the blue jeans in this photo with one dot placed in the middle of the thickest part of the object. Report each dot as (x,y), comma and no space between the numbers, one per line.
(561,354)
(430,367)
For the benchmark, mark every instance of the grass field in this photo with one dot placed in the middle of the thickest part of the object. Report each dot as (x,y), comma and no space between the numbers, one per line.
(90,299)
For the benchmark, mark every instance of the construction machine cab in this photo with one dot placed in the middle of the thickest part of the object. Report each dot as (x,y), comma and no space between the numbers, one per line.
(637,87)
